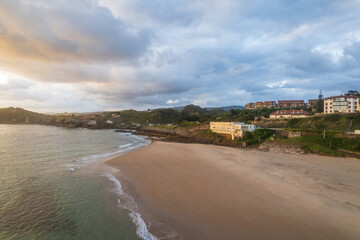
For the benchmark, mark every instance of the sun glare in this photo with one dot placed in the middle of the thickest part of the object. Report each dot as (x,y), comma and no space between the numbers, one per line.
(3,77)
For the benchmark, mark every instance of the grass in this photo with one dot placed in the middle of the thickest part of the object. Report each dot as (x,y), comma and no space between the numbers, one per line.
(316,143)
(323,150)
(165,126)
(187,124)
(209,133)
(257,136)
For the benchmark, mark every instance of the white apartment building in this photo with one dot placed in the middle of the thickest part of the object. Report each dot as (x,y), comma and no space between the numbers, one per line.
(342,104)
(235,129)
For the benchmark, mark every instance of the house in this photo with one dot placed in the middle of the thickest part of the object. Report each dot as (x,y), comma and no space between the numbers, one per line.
(342,104)
(289,114)
(290,103)
(235,129)
(259,105)
(311,102)
(270,104)
(250,105)
(92,122)
(109,122)
(87,117)
(136,124)
(114,115)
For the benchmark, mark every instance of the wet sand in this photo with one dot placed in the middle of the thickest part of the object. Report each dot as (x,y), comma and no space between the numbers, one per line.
(214,192)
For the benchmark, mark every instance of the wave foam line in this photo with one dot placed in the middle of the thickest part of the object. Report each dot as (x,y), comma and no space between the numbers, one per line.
(142,230)
(125,145)
(94,158)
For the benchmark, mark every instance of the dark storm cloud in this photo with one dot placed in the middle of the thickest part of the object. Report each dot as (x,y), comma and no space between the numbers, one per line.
(146,54)
(66,30)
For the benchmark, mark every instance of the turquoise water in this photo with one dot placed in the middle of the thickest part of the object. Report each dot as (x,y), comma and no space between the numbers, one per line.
(48,189)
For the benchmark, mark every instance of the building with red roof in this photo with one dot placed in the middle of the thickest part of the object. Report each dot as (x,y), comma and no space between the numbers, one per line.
(342,104)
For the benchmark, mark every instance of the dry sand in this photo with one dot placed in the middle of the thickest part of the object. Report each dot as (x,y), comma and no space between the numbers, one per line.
(214,192)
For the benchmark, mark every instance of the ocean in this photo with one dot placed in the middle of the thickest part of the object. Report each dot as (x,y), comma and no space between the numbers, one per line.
(53,184)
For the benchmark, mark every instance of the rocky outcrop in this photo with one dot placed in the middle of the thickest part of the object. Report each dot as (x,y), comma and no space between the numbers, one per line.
(281,147)
(194,135)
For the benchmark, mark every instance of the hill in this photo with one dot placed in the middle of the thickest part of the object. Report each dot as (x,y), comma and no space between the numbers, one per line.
(227,108)
(19,115)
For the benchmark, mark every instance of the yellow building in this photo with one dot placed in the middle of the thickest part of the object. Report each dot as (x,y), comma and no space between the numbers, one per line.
(235,129)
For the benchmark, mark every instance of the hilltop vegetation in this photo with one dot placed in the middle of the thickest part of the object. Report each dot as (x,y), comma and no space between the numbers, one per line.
(160,116)
(338,122)
(189,116)
(19,115)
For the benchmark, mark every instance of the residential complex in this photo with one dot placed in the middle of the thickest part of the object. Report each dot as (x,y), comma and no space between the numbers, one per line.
(259,105)
(290,103)
(235,129)
(250,105)
(311,102)
(270,104)
(348,103)
(342,104)
(281,104)
(289,114)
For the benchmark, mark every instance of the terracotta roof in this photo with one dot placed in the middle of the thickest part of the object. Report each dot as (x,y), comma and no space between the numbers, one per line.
(290,112)
(343,96)
(290,101)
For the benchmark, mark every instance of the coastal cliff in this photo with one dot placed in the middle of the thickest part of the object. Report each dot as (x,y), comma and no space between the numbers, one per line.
(198,134)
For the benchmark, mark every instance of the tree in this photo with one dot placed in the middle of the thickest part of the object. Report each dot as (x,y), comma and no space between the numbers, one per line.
(189,109)
(193,117)
(319,105)
(352,93)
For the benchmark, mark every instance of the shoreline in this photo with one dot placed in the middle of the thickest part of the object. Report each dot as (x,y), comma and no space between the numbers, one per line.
(184,136)
(212,192)
(124,201)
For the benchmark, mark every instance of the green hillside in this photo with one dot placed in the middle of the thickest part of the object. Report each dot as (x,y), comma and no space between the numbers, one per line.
(19,115)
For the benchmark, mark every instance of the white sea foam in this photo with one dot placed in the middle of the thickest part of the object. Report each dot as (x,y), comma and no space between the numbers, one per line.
(118,189)
(125,145)
(137,142)
(142,230)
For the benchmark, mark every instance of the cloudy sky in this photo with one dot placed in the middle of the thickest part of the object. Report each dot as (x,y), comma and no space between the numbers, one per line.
(89,55)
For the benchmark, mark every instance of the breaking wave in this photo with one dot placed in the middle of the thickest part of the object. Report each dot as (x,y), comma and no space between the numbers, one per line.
(127,202)
(136,142)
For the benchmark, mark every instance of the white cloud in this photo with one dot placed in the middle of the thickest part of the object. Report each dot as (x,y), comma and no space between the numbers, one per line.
(279,84)
(170,102)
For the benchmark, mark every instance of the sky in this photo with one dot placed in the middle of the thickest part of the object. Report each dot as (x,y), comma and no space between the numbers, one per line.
(94,55)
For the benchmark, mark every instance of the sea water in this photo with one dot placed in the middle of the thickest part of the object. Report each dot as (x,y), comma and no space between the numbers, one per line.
(48,189)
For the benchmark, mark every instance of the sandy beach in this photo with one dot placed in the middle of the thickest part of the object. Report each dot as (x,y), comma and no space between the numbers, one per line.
(213,192)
